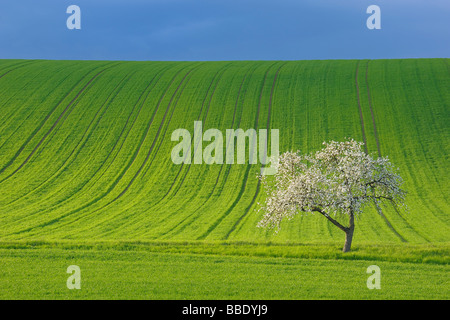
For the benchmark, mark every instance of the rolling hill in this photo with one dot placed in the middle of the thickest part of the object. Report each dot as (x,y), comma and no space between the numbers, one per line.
(85,146)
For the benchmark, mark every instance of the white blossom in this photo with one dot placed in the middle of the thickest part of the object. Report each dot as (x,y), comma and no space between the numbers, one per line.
(340,179)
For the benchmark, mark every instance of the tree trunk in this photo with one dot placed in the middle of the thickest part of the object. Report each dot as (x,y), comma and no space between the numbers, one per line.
(349,233)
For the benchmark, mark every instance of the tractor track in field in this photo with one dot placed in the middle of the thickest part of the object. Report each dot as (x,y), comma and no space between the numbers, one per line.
(52,127)
(212,221)
(66,110)
(195,149)
(182,225)
(360,109)
(159,129)
(144,95)
(412,169)
(82,142)
(203,236)
(146,134)
(375,132)
(136,152)
(247,75)
(447,65)
(388,223)
(259,104)
(377,207)
(203,121)
(203,103)
(39,127)
(21,64)
(258,186)
(185,80)
(247,169)
(149,165)
(4,119)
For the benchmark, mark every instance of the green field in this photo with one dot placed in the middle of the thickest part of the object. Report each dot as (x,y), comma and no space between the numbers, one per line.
(179,271)
(86,178)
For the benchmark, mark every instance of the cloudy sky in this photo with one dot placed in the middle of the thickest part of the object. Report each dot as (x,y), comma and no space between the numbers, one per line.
(224,29)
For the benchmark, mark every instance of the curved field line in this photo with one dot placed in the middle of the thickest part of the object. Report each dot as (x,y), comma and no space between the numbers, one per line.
(157,134)
(406,222)
(360,109)
(412,170)
(204,119)
(371,111)
(7,118)
(18,110)
(248,167)
(227,170)
(8,66)
(1,76)
(388,223)
(145,92)
(247,75)
(61,81)
(258,186)
(50,130)
(46,118)
(222,217)
(5,74)
(377,207)
(156,152)
(446,64)
(190,215)
(21,64)
(420,142)
(155,139)
(160,73)
(185,80)
(129,164)
(98,198)
(81,143)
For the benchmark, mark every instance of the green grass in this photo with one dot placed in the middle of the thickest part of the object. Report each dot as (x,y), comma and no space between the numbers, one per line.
(85,161)
(138,272)
(422,254)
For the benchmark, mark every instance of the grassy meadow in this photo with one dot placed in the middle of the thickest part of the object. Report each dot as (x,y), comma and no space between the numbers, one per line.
(86,178)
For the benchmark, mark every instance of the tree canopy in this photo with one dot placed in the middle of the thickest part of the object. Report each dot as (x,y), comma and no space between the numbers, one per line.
(340,179)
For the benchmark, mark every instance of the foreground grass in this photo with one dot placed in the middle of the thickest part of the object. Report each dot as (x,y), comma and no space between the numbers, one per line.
(438,253)
(190,270)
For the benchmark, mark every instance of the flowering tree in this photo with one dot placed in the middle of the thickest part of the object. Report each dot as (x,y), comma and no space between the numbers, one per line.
(338,180)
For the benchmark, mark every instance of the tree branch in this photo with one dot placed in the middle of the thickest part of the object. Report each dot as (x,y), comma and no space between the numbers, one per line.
(382,197)
(374,197)
(337,224)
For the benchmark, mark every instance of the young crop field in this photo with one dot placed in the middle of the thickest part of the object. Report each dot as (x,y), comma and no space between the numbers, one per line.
(175,271)
(87,178)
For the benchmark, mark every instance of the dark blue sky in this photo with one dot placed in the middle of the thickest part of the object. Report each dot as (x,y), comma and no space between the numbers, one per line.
(224,29)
